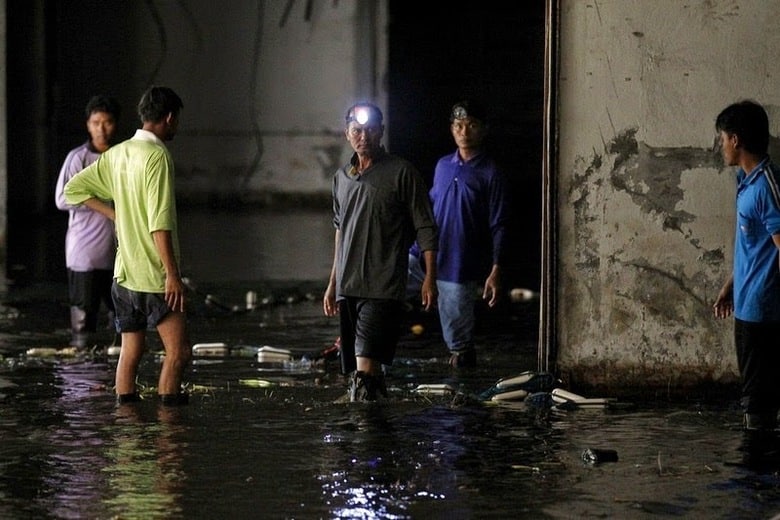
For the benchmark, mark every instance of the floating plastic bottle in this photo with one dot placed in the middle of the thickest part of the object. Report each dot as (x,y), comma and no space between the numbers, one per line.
(597,456)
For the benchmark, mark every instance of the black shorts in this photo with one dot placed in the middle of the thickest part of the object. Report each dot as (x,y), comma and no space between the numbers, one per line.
(374,326)
(137,310)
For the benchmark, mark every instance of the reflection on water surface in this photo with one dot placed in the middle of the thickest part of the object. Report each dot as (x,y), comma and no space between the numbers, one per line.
(259,441)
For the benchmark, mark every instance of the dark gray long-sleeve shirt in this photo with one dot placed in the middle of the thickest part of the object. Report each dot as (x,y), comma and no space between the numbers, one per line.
(380,213)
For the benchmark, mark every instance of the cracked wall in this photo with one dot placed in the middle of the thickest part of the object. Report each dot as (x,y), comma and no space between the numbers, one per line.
(646,208)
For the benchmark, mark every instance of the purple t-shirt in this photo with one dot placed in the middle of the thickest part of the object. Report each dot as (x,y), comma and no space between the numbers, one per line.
(90,240)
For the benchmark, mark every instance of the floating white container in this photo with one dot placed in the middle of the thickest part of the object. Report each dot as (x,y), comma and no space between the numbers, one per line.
(210,349)
(435,389)
(515,381)
(512,395)
(267,354)
(561,396)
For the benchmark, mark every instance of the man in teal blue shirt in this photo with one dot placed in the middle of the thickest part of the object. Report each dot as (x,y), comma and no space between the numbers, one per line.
(752,292)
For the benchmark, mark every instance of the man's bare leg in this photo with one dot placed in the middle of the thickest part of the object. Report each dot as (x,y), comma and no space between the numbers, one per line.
(178,352)
(133,344)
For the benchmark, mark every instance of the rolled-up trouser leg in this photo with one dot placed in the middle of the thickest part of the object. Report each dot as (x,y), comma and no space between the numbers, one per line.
(78,325)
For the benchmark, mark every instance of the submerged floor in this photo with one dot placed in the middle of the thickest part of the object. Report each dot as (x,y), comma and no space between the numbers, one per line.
(260,441)
(278,441)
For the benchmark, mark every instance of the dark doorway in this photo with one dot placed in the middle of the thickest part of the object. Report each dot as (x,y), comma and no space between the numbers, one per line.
(494,52)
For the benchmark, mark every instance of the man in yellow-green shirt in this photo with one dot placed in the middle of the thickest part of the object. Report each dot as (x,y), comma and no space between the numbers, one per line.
(138,176)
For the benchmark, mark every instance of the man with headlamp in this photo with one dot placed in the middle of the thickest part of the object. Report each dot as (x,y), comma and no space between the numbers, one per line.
(380,207)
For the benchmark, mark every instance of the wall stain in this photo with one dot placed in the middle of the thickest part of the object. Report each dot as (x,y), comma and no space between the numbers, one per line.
(652,177)
(657,321)
(587,257)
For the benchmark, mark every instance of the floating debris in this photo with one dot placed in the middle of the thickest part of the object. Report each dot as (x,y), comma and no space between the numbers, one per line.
(595,456)
(257,383)
(521,294)
(210,349)
(268,354)
(520,386)
(52,352)
(564,397)
(251,300)
(435,389)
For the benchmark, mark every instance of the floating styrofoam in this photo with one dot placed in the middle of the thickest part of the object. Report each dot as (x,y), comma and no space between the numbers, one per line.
(210,349)
(267,354)
(435,389)
(512,395)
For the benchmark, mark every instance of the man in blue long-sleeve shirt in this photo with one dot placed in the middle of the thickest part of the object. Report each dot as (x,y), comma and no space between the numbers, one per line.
(469,197)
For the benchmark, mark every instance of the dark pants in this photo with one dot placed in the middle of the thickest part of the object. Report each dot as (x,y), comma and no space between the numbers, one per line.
(758,358)
(86,291)
(369,328)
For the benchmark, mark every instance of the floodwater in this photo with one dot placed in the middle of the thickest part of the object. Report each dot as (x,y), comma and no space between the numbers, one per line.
(265,440)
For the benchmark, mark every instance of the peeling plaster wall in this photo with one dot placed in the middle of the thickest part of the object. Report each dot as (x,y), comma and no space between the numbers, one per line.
(646,209)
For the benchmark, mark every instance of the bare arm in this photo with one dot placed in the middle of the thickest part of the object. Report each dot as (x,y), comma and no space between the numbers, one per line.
(492,287)
(429,291)
(101,207)
(174,287)
(329,300)
(724,302)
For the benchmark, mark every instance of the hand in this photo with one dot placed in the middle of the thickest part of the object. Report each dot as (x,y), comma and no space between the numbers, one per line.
(492,286)
(429,293)
(491,291)
(724,303)
(723,308)
(329,306)
(174,293)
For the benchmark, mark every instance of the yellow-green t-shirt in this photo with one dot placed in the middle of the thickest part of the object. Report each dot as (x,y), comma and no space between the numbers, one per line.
(138,175)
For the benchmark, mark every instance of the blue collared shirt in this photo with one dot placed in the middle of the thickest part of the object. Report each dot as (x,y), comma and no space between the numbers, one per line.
(756,268)
(472,212)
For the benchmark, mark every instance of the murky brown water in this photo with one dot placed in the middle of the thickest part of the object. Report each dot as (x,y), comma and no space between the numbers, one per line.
(259,441)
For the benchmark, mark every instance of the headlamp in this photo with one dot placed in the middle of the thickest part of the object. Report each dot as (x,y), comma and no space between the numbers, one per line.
(361,115)
(467,108)
(364,114)
(459,112)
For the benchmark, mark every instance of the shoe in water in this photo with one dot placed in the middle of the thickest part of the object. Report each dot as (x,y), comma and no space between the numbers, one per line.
(366,387)
(128,398)
(463,359)
(179,399)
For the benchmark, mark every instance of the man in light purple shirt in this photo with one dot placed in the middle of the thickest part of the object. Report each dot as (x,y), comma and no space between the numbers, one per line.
(90,241)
